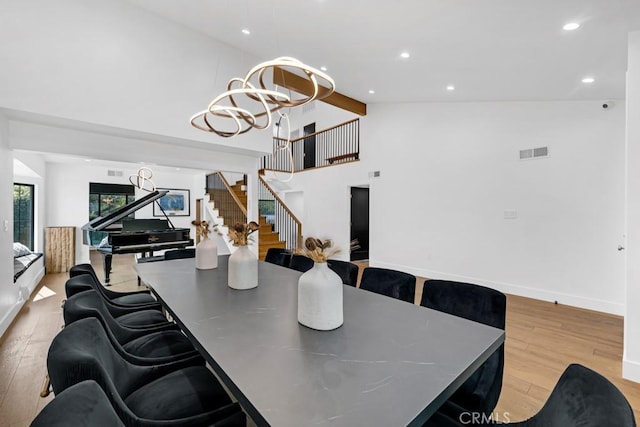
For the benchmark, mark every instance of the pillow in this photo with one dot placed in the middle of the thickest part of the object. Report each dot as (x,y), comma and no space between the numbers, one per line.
(19,250)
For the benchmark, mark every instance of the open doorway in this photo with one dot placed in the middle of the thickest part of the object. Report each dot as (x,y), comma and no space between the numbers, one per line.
(310,146)
(359,223)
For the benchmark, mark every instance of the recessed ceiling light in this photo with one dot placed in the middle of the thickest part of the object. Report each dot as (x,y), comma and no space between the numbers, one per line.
(571,26)
(588,80)
(177,169)
(323,68)
(405,55)
(246,31)
(372,91)
(87,160)
(451,87)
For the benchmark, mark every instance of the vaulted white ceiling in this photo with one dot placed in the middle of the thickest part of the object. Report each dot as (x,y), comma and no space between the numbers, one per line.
(490,50)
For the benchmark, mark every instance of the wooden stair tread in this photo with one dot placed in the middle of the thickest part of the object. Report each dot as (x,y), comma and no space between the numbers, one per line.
(269,237)
(264,247)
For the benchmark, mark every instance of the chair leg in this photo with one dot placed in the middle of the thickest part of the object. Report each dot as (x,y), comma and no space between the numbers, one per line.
(46,387)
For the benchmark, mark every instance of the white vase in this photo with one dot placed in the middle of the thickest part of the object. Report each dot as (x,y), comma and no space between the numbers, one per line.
(243,269)
(206,254)
(320,298)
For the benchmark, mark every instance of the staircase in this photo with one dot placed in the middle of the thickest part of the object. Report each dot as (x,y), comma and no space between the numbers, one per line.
(267,238)
(228,212)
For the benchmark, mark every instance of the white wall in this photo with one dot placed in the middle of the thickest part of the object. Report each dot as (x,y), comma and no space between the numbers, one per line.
(631,357)
(8,292)
(36,163)
(322,114)
(112,63)
(68,196)
(295,202)
(448,172)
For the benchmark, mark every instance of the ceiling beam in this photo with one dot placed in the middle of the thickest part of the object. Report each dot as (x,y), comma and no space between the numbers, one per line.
(287,79)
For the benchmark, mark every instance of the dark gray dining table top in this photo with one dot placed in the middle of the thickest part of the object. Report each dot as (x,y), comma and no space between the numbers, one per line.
(390,364)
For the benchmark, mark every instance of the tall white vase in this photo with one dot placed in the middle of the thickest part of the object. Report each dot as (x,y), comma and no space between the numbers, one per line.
(243,269)
(320,298)
(206,254)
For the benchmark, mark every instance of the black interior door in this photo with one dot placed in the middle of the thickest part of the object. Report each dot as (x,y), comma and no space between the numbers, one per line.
(310,146)
(360,222)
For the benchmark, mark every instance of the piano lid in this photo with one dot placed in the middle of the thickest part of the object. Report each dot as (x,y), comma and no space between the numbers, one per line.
(103,222)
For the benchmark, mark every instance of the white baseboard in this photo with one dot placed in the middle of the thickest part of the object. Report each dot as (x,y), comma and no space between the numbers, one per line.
(8,318)
(28,281)
(630,370)
(508,288)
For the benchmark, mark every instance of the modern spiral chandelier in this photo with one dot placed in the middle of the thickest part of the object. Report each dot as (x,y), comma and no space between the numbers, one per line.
(248,103)
(142,180)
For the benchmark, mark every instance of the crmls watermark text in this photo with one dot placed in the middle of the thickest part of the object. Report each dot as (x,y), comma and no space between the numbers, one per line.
(478,418)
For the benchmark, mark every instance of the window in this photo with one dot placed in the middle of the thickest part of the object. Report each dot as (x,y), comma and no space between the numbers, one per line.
(23,204)
(267,209)
(106,198)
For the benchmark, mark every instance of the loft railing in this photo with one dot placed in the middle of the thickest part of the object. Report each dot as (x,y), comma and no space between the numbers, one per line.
(338,144)
(285,222)
(225,200)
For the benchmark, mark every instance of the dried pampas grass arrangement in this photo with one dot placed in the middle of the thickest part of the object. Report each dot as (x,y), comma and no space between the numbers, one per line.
(239,233)
(318,250)
(203,227)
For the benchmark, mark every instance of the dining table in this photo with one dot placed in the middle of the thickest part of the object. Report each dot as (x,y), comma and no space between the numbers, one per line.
(391,363)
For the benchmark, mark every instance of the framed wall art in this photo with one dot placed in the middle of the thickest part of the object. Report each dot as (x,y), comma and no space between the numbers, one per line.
(175,203)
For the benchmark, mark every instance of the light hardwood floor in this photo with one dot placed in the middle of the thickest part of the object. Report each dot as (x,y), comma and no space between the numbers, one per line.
(542,339)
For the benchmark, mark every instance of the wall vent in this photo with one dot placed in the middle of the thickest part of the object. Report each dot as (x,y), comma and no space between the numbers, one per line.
(111,172)
(374,174)
(295,134)
(534,153)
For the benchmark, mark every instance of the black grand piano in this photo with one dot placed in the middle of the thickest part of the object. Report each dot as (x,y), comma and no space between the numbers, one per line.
(135,235)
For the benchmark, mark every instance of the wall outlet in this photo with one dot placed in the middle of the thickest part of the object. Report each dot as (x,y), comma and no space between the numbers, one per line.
(6,225)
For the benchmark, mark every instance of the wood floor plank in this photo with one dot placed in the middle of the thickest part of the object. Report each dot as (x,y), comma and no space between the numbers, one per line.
(542,339)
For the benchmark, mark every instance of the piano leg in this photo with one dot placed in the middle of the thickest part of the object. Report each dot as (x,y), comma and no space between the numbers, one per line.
(107,267)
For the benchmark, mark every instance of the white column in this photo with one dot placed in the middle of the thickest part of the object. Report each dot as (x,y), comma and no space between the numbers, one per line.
(631,356)
(8,291)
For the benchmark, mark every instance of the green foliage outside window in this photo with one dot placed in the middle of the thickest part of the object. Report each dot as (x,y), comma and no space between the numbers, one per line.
(23,202)
(104,204)
(266,207)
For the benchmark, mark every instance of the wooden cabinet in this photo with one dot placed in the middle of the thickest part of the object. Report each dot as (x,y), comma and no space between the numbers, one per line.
(59,248)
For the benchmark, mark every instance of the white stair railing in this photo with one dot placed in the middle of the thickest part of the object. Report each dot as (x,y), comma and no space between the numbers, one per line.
(221,232)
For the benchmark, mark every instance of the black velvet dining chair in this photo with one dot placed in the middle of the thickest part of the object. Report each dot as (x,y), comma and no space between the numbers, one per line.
(301,263)
(146,346)
(278,256)
(83,277)
(142,315)
(144,396)
(584,398)
(81,405)
(480,304)
(347,271)
(581,398)
(392,283)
